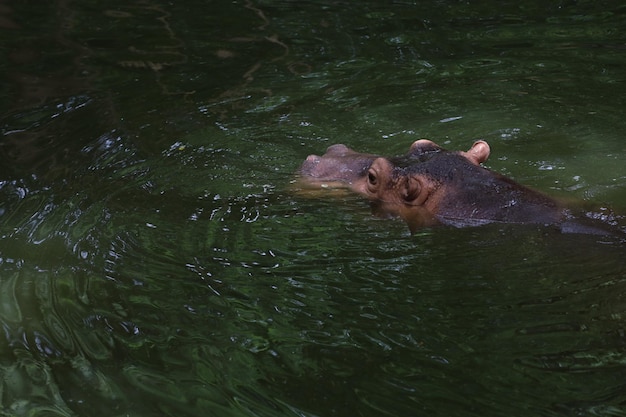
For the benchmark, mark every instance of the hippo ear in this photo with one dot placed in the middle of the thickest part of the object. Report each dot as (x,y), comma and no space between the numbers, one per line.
(478,153)
(414,192)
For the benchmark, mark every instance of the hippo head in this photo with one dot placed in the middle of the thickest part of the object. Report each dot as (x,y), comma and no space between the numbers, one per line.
(430,185)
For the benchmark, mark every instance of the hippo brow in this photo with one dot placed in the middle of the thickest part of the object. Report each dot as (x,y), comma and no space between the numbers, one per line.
(408,160)
(439,166)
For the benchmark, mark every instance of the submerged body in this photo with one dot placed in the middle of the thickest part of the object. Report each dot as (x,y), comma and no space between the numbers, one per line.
(430,185)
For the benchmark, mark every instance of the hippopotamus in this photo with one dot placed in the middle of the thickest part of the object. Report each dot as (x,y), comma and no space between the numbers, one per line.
(430,185)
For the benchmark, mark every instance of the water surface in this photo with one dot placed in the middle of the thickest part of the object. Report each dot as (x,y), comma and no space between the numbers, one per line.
(153,260)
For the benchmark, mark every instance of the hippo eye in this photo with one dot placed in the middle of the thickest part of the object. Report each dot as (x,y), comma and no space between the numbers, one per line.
(371,178)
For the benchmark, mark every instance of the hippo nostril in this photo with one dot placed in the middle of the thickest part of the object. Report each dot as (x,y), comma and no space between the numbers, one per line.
(310,165)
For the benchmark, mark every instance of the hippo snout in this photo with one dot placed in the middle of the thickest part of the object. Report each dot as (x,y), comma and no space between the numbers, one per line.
(339,164)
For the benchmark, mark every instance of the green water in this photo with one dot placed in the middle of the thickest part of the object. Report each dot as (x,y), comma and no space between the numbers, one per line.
(153,261)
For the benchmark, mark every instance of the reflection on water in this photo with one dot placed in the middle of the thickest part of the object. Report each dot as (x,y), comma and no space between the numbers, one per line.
(153,262)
